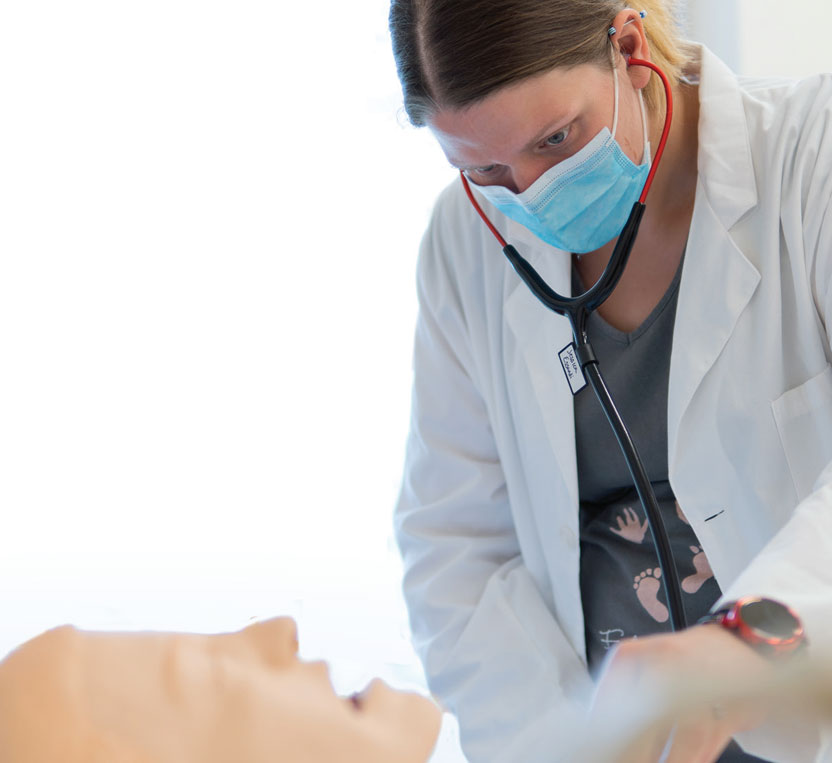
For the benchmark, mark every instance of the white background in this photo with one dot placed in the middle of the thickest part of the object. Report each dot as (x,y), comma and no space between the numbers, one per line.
(762,37)
(209,215)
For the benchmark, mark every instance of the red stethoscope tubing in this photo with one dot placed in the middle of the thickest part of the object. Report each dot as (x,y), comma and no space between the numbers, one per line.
(668,118)
(497,235)
(654,166)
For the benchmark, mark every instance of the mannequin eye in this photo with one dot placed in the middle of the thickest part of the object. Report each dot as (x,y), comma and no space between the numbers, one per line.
(558,138)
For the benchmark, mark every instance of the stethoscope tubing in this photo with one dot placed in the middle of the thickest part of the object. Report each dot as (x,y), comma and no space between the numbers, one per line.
(577,310)
(646,494)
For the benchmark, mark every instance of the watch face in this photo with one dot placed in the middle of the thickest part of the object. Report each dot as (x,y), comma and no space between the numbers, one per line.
(770,619)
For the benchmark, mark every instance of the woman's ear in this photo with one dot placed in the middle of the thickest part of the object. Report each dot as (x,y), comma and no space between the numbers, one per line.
(630,41)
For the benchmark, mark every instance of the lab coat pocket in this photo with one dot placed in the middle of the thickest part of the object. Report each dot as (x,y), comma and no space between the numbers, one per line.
(804,421)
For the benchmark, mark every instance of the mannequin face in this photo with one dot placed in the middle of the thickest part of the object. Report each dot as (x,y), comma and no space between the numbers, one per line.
(186,697)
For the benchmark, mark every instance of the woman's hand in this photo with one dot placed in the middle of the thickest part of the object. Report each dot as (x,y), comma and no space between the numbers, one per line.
(647,679)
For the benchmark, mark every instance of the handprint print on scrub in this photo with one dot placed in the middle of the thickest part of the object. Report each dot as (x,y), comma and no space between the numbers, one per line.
(629,526)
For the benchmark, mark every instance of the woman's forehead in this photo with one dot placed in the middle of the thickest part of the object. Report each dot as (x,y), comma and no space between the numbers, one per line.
(517,117)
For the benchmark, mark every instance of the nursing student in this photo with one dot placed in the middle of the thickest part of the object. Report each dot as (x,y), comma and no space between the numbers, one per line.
(532,583)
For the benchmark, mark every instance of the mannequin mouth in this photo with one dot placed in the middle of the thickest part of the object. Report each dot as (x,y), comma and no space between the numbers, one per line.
(356,700)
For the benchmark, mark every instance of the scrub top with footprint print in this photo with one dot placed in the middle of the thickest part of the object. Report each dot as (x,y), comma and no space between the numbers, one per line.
(621,587)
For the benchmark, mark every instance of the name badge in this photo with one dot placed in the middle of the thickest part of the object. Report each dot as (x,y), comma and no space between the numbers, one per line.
(572,368)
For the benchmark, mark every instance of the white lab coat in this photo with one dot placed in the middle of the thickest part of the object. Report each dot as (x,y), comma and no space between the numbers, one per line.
(487,521)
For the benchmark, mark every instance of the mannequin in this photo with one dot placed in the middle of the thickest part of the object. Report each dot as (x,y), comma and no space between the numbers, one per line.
(88,697)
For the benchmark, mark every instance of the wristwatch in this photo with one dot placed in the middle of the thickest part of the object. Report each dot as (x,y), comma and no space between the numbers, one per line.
(767,626)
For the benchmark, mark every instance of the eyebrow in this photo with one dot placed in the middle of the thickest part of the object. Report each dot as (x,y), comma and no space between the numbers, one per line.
(467,167)
(551,129)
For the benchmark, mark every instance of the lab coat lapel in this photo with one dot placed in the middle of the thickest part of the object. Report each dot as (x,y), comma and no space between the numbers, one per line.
(717,279)
(541,399)
(717,283)
(538,335)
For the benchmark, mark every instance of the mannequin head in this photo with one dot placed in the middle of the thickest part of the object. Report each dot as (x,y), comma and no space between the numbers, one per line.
(165,697)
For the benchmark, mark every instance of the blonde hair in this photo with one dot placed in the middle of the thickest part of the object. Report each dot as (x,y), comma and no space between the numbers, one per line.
(453,53)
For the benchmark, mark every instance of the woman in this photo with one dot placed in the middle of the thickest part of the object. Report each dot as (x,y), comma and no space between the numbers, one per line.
(527,557)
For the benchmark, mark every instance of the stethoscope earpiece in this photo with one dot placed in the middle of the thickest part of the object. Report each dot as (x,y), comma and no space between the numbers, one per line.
(612,30)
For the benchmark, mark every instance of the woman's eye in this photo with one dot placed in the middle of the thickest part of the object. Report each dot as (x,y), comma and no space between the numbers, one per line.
(558,137)
(485,170)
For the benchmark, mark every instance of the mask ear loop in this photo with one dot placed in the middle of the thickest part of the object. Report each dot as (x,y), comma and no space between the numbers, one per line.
(647,153)
(615,80)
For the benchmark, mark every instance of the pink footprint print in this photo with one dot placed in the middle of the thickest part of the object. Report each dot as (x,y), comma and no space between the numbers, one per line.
(647,587)
(692,583)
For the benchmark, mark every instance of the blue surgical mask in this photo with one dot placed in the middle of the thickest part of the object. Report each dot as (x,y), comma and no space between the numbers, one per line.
(584,201)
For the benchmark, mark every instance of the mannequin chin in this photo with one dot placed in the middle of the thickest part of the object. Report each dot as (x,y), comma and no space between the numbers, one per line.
(82,697)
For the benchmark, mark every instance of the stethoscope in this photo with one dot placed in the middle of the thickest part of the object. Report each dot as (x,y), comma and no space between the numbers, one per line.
(577,310)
